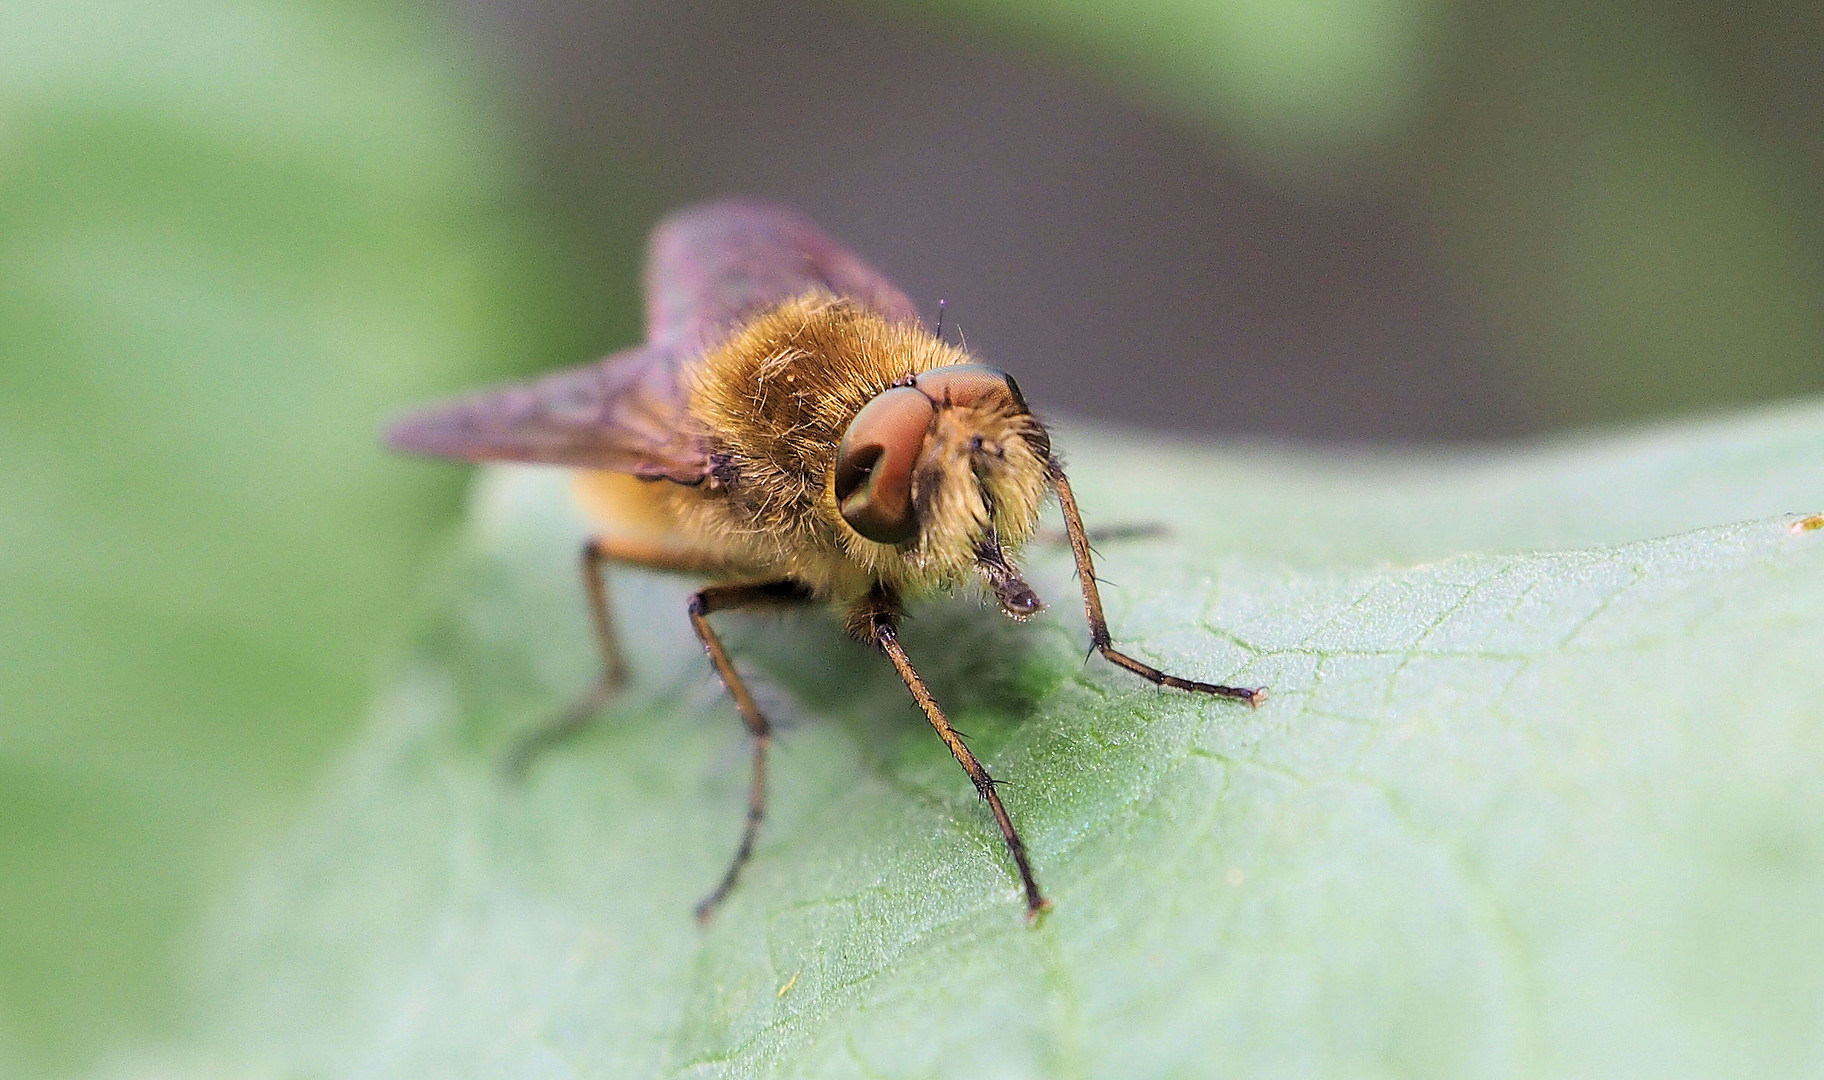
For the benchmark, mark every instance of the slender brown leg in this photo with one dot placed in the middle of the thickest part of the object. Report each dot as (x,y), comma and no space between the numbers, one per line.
(1098,624)
(702,604)
(879,619)
(614,664)
(598,552)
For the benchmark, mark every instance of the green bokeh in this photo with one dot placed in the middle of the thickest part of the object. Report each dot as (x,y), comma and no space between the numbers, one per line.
(232,237)
(1293,84)
(1626,196)
(1626,214)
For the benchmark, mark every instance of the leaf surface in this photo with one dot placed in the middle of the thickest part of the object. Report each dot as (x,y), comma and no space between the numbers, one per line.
(1535,794)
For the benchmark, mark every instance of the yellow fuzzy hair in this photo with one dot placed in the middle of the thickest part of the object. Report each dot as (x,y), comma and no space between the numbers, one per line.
(774,400)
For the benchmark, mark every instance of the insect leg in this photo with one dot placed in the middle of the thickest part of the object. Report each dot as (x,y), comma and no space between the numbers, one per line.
(702,604)
(614,664)
(881,624)
(1098,623)
(597,553)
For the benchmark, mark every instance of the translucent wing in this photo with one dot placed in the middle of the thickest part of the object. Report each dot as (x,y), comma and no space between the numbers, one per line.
(709,269)
(712,267)
(624,414)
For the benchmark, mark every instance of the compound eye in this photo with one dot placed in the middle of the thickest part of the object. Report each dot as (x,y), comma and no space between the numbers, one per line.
(874,465)
(968,384)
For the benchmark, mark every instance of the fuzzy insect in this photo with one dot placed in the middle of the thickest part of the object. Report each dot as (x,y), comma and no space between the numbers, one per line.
(792,432)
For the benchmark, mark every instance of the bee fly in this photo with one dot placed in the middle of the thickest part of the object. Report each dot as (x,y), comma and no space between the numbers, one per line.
(793,433)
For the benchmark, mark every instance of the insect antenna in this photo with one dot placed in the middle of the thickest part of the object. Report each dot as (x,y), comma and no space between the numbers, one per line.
(940,319)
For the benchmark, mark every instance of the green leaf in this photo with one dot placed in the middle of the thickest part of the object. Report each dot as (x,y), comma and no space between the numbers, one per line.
(1536,794)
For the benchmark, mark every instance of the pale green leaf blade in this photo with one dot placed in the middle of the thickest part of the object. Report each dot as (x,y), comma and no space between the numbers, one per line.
(1514,809)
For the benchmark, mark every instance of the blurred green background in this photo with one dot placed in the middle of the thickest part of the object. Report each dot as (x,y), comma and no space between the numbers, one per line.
(235,235)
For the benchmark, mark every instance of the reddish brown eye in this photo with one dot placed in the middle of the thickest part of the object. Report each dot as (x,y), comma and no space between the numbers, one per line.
(874,465)
(967,384)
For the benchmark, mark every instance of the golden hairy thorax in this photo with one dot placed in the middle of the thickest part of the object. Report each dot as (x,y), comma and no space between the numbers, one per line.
(774,400)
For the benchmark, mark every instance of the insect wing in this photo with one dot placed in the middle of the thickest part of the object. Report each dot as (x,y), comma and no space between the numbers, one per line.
(709,269)
(712,267)
(623,414)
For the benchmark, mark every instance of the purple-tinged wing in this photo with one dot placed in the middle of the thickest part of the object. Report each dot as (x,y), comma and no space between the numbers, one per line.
(623,414)
(709,269)
(712,267)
